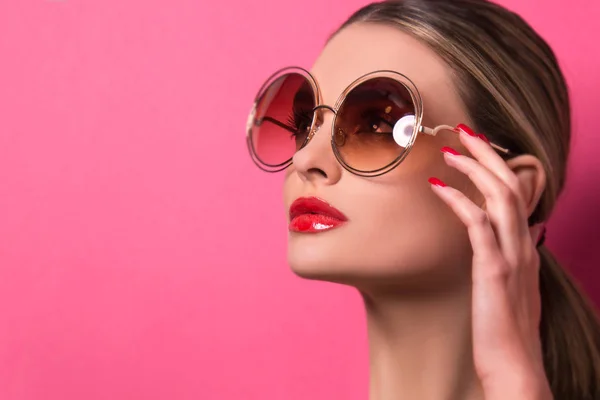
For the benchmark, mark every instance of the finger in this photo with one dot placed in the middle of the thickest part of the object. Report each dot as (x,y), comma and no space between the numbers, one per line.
(488,157)
(506,212)
(481,235)
(493,317)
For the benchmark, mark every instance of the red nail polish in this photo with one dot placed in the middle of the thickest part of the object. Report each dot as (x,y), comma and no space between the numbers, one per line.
(482,137)
(450,150)
(436,181)
(466,129)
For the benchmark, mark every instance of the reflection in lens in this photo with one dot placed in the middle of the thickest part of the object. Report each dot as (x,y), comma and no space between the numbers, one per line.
(367,117)
(282,119)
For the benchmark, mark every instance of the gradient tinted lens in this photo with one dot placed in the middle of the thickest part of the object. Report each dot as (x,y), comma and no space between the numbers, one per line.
(283,118)
(364,128)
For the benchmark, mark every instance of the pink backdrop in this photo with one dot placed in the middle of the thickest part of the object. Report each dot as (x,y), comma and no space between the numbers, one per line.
(142,256)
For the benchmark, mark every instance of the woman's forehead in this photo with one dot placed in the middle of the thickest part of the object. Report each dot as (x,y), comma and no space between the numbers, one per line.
(363,48)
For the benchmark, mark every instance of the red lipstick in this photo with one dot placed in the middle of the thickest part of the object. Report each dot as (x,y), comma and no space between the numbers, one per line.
(313,215)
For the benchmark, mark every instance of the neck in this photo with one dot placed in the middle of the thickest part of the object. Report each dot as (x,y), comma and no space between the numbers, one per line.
(420,346)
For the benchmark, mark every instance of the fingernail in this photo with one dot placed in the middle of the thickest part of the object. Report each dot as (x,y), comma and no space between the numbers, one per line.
(466,129)
(482,137)
(450,150)
(436,182)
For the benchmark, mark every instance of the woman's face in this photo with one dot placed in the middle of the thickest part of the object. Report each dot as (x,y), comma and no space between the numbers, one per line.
(397,231)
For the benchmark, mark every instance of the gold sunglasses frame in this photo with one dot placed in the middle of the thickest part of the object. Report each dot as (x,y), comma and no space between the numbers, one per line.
(396,76)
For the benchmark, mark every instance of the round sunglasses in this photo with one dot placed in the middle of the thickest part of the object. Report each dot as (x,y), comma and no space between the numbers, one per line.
(376,121)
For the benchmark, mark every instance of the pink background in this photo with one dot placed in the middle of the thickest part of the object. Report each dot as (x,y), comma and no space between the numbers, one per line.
(142,256)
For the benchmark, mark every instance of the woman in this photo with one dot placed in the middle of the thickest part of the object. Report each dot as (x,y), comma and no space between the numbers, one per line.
(446,247)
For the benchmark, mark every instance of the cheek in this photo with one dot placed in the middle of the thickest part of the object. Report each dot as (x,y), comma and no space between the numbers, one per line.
(400,214)
(407,225)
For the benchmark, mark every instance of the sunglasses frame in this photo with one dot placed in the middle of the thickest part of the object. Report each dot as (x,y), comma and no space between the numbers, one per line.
(396,76)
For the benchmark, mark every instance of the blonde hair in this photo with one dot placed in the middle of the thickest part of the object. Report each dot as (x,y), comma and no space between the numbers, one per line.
(515,92)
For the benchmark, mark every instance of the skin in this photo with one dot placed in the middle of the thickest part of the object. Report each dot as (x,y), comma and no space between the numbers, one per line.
(449,275)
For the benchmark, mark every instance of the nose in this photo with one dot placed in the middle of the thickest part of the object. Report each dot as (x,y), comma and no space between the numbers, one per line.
(315,162)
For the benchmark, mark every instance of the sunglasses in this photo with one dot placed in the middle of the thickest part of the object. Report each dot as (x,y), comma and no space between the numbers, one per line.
(376,121)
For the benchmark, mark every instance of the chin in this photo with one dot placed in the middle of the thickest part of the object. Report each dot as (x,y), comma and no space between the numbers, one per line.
(312,264)
(315,257)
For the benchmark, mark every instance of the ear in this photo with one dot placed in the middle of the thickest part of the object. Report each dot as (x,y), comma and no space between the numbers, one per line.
(532,179)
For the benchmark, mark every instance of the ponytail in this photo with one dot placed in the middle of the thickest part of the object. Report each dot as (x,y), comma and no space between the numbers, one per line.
(570,334)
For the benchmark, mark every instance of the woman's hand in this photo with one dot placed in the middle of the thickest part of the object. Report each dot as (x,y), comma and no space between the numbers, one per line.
(506,299)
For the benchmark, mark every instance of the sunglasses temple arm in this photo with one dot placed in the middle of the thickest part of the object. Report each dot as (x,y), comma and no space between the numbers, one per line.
(437,129)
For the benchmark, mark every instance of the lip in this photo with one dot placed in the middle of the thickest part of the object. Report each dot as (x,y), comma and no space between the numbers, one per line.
(313,215)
